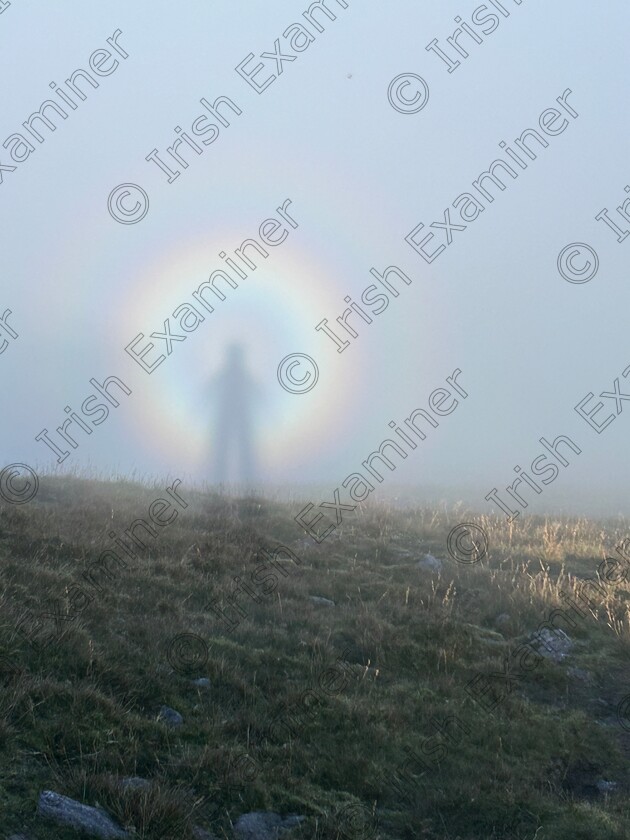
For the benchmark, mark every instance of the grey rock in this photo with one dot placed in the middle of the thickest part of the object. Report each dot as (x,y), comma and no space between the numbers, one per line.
(170,717)
(201,834)
(261,825)
(321,602)
(553,644)
(503,621)
(202,682)
(430,563)
(606,787)
(134,783)
(65,811)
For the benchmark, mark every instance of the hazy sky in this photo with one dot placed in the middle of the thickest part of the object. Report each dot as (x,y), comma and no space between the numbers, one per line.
(360,176)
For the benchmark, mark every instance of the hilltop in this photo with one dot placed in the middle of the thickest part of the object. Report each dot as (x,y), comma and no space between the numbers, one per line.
(373,690)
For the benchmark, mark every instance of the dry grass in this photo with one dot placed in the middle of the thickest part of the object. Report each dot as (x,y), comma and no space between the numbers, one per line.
(82,713)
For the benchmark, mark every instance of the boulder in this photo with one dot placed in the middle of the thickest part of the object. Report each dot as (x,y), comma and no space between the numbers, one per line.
(68,812)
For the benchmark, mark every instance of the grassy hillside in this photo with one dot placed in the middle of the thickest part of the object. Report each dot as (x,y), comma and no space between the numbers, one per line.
(373,717)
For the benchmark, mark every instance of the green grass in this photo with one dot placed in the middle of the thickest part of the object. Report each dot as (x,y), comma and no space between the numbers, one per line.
(81,713)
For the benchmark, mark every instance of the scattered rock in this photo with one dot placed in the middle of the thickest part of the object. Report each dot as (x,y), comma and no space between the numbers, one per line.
(606,787)
(260,825)
(170,717)
(202,682)
(321,602)
(134,783)
(65,811)
(553,644)
(430,563)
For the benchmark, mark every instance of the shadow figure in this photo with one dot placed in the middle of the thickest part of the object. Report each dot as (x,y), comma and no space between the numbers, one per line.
(235,395)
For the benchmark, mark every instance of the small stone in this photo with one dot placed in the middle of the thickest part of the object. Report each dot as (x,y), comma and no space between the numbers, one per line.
(170,717)
(321,602)
(606,787)
(552,644)
(260,825)
(201,833)
(134,783)
(65,811)
(430,563)
(503,621)
(202,682)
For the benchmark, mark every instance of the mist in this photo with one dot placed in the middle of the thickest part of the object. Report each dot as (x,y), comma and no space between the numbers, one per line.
(324,221)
